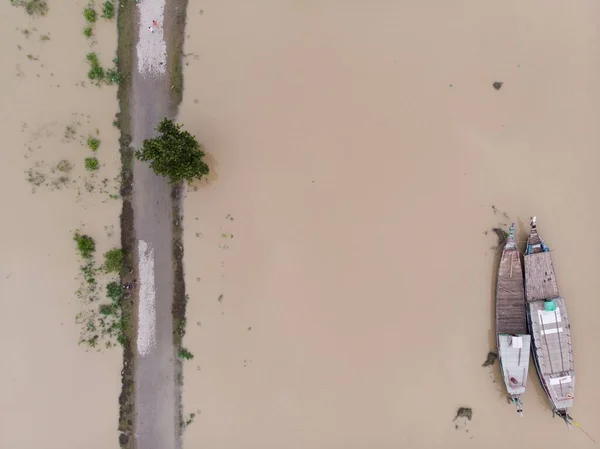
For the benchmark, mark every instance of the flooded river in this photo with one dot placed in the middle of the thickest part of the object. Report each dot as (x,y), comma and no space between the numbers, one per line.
(338,260)
(56,394)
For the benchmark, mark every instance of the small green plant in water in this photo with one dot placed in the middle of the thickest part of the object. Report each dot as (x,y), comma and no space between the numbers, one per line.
(89,274)
(108,10)
(92,58)
(93,143)
(35,177)
(112,76)
(185,354)
(114,292)
(64,166)
(32,7)
(91,164)
(107,309)
(85,245)
(88,31)
(90,14)
(113,260)
(96,72)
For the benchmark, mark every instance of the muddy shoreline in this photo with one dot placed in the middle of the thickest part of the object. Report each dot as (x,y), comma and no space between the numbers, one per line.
(175,25)
(125,49)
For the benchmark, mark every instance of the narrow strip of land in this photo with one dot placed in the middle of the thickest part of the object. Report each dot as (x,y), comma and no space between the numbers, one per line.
(156,390)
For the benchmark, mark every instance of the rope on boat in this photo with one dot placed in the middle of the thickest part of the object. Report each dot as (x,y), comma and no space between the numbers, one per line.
(576,424)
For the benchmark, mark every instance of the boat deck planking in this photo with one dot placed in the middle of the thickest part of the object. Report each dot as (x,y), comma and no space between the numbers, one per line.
(540,280)
(551,334)
(511,314)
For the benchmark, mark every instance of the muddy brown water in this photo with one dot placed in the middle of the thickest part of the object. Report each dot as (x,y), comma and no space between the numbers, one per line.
(54,393)
(357,150)
(339,273)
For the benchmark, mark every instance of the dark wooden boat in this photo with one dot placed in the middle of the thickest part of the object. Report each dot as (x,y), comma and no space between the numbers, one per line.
(512,337)
(549,326)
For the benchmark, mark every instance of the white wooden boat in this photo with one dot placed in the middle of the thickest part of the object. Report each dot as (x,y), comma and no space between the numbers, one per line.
(512,338)
(549,326)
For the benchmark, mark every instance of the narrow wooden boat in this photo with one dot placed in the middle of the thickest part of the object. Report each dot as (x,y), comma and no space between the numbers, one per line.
(549,326)
(512,337)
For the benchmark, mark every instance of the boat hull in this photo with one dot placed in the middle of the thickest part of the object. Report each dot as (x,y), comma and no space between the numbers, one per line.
(513,353)
(552,352)
(512,338)
(549,326)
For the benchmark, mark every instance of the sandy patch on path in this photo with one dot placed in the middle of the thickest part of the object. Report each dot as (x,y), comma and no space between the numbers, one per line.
(151,47)
(146,335)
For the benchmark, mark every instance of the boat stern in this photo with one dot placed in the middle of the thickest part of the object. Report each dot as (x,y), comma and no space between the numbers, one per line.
(514,352)
(515,399)
(561,388)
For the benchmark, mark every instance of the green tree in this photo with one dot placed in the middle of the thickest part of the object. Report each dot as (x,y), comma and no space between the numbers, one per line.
(174,154)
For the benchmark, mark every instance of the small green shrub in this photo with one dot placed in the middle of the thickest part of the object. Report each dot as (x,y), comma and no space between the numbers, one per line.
(185,354)
(85,245)
(90,14)
(93,143)
(107,309)
(91,164)
(96,72)
(88,31)
(92,58)
(112,76)
(114,292)
(108,10)
(89,273)
(113,260)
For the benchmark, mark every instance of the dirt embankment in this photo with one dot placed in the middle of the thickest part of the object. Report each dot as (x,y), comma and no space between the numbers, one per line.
(125,54)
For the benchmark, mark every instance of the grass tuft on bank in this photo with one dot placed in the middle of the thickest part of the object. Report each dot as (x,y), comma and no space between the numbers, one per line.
(124,66)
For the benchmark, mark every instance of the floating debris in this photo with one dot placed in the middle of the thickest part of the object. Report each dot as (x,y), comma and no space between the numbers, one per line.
(501,234)
(464,412)
(497,211)
(491,359)
(497,85)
